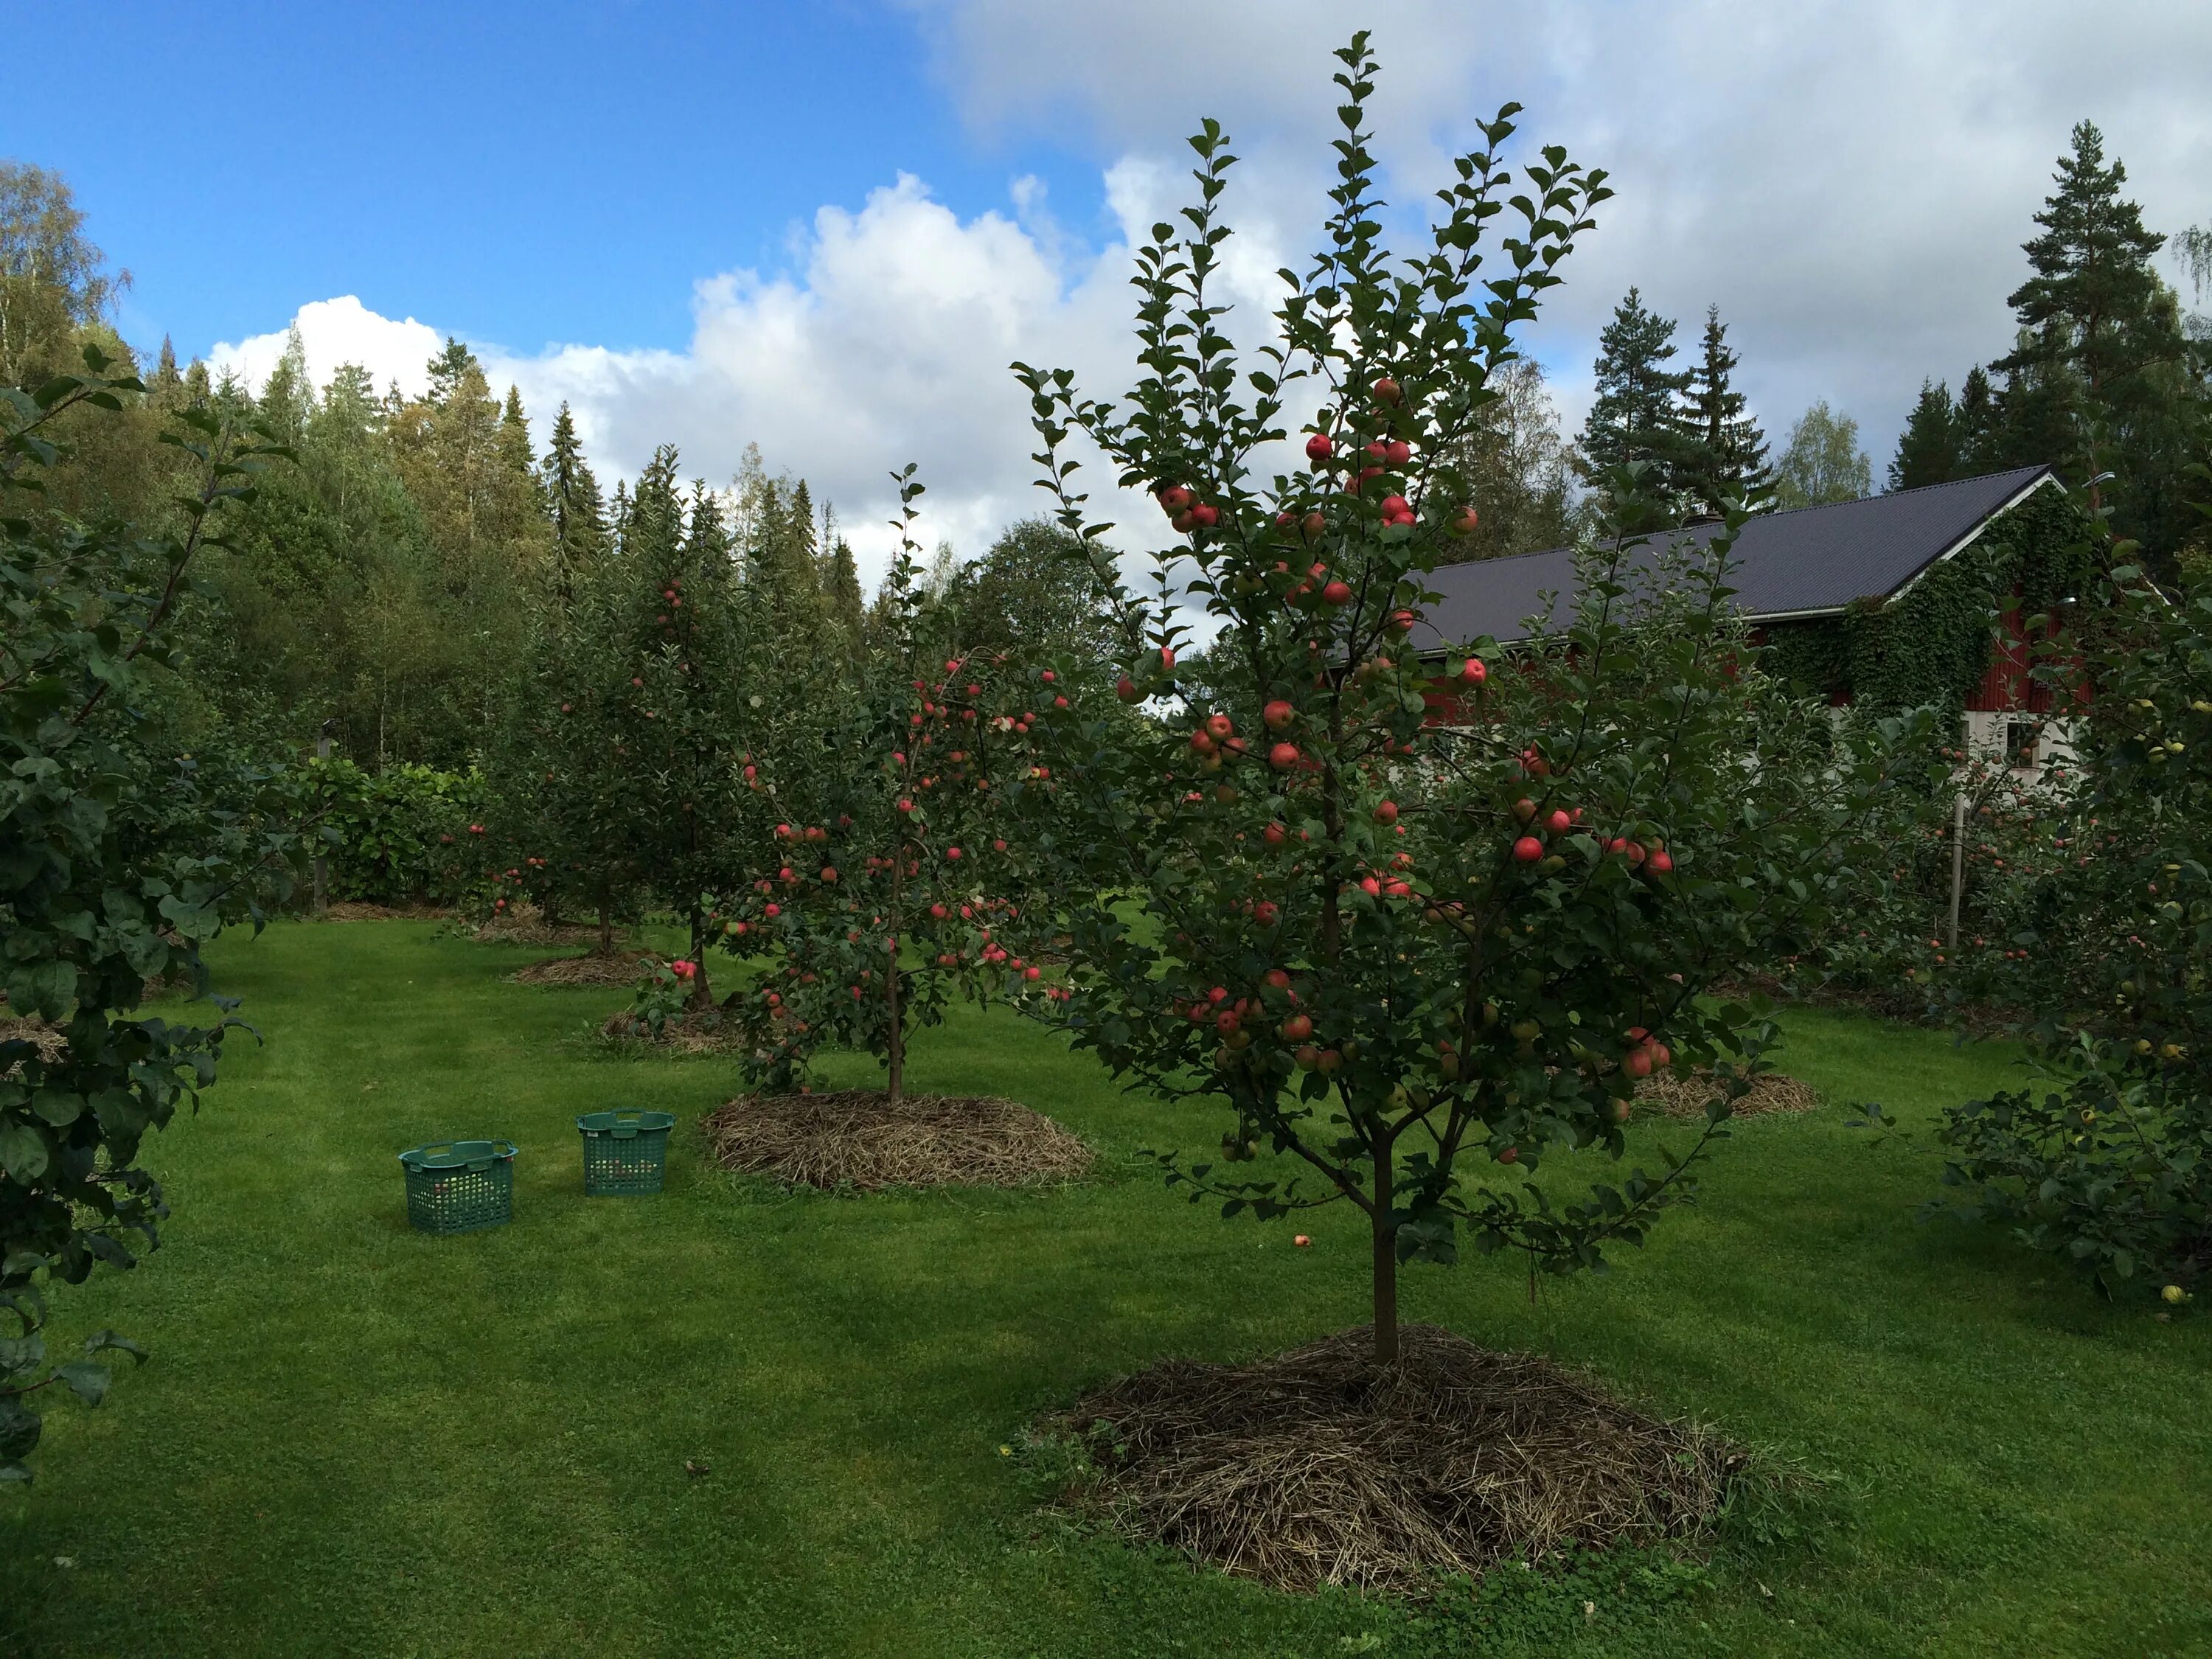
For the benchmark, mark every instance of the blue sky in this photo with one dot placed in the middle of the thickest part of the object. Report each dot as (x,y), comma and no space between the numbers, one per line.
(826,227)
(523,173)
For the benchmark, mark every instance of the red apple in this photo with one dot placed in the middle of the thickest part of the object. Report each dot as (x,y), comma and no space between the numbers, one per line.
(1387,390)
(1393,507)
(1283,756)
(1174,498)
(1398,452)
(1296,1028)
(1528,849)
(1267,913)
(1275,835)
(1386,813)
(1473,672)
(1336,593)
(1559,822)
(1206,515)
(1318,447)
(1126,689)
(1464,521)
(1219,726)
(1511,1155)
(1637,1063)
(1662,861)
(1278,713)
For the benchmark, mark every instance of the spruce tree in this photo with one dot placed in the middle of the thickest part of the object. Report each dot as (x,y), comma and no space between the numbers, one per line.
(573,504)
(1976,415)
(1725,458)
(1928,449)
(848,604)
(1636,415)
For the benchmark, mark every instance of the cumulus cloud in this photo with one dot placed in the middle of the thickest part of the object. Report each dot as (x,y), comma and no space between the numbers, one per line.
(337,332)
(1849,180)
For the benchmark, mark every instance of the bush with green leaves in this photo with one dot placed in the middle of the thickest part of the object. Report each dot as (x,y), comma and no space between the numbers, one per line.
(2106,1159)
(118,859)
(1415,919)
(895,883)
(401,835)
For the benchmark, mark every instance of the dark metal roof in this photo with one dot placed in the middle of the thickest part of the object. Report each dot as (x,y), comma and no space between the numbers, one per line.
(1812,561)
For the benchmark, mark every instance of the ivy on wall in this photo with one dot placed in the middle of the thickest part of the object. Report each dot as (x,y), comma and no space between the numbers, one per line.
(1931,645)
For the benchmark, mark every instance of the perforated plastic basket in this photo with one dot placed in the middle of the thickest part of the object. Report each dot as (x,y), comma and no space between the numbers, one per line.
(459,1186)
(624,1151)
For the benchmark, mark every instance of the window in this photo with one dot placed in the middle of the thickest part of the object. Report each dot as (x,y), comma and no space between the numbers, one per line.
(2019,743)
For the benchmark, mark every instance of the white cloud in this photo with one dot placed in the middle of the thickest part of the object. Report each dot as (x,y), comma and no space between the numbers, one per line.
(1850,180)
(336,332)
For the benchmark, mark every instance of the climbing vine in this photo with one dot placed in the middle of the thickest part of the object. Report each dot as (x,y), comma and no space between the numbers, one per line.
(1931,645)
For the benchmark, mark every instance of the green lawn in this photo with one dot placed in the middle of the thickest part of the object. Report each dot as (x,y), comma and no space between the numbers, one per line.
(352,1439)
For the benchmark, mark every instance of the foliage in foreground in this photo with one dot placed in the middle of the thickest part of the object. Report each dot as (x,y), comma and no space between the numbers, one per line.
(1398,925)
(117,861)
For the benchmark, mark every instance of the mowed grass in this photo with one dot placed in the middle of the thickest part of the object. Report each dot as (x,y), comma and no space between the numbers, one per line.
(354,1439)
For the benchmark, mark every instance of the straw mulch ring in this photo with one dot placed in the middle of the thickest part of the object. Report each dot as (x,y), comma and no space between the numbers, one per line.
(354,910)
(860,1139)
(1685,1096)
(594,967)
(1318,1468)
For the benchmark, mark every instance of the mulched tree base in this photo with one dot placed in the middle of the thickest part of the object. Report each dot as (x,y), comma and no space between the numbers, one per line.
(357,910)
(50,1043)
(593,968)
(857,1138)
(708,1031)
(1318,1468)
(1686,1095)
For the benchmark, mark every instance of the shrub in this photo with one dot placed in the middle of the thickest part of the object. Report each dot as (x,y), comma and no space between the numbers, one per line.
(117,861)
(2106,1159)
(399,836)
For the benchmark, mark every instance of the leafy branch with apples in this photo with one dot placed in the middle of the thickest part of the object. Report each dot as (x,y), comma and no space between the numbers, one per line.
(1428,924)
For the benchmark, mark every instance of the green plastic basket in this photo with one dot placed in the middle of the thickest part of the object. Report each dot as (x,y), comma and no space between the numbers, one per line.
(459,1186)
(624,1151)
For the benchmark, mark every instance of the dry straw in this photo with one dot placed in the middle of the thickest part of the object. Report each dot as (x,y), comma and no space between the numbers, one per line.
(1685,1095)
(1316,1466)
(862,1138)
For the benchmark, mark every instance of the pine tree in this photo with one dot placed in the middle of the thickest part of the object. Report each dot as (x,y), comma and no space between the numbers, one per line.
(848,604)
(1726,456)
(1636,415)
(1976,417)
(572,505)
(2098,380)
(1929,450)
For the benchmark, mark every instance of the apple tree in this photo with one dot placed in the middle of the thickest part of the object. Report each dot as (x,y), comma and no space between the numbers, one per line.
(893,881)
(1415,919)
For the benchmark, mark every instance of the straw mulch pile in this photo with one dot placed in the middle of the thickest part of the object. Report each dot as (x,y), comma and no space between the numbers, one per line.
(1685,1096)
(858,1138)
(1316,1466)
(618,968)
(699,1031)
(50,1043)
(350,910)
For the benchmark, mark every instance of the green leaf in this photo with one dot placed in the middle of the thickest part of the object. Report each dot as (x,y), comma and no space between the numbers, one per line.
(86,1381)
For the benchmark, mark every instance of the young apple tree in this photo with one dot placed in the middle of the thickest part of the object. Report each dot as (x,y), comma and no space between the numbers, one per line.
(1418,918)
(896,882)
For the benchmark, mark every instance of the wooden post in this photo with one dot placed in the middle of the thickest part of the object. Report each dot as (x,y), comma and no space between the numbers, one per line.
(322,860)
(1958,866)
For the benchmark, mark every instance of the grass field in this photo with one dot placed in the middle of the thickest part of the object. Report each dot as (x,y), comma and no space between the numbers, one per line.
(354,1439)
